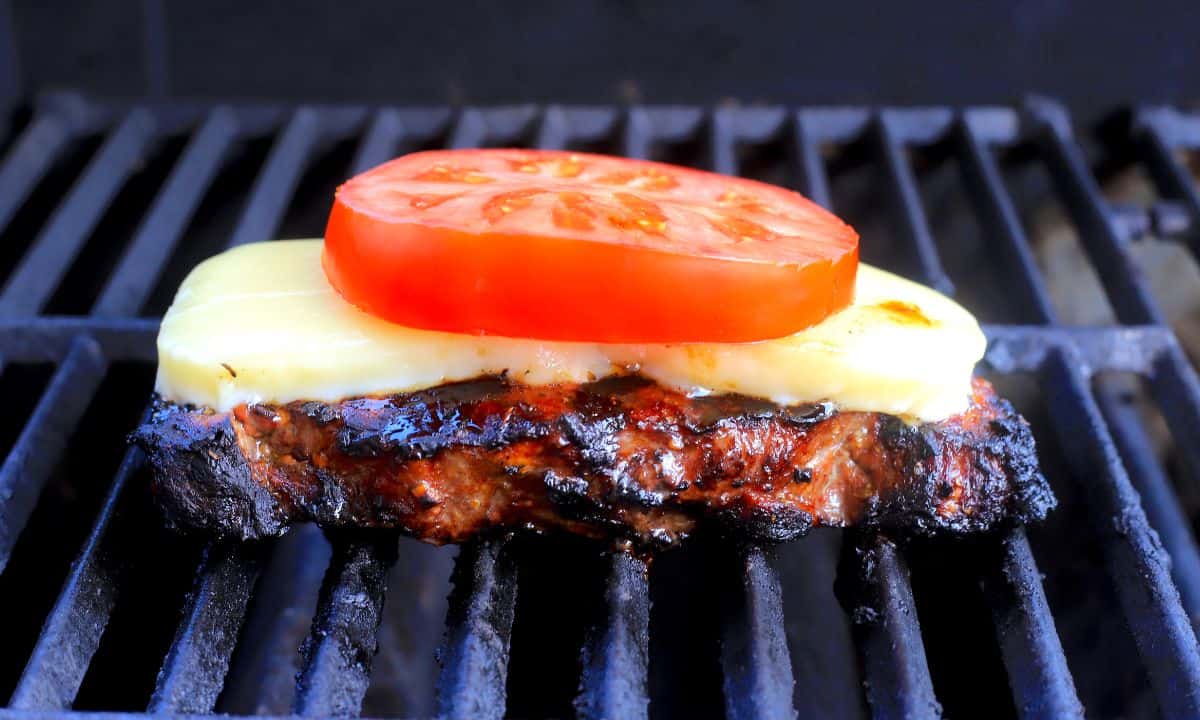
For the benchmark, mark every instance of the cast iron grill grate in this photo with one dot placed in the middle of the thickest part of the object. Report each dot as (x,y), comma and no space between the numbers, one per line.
(82,290)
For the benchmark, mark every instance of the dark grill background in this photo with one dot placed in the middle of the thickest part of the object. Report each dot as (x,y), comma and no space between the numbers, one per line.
(1090,54)
(104,207)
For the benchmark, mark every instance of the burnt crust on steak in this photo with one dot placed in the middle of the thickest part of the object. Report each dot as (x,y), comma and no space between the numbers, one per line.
(621,458)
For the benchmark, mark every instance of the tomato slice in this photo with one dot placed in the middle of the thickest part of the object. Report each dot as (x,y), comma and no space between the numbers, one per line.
(571,246)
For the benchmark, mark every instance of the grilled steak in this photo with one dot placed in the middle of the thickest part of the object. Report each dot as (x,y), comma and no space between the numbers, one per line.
(622,458)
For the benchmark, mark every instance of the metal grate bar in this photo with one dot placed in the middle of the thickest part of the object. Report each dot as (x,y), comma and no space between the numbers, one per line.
(72,631)
(1024,348)
(44,438)
(1172,177)
(754,652)
(479,620)
(511,126)
(824,655)
(1139,566)
(320,691)
(889,636)
(1102,236)
(339,649)
(757,667)
(1158,497)
(48,339)
(644,127)
(30,158)
(1109,248)
(193,672)
(379,142)
(264,667)
(503,126)
(1175,383)
(999,215)
(903,186)
(42,268)
(1177,389)
(614,659)
(1039,677)
(732,127)
(151,247)
(554,132)
(724,138)
(1037,668)
(637,135)
(338,652)
(886,629)
(561,126)
(1180,128)
(814,181)
(279,177)
(470,130)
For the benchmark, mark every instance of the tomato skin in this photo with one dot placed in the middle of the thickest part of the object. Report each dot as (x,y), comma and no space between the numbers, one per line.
(466,276)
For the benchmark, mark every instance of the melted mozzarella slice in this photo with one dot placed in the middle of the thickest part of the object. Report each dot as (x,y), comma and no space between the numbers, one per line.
(261,324)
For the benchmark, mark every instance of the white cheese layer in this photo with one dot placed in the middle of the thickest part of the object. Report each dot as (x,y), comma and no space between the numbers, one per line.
(261,324)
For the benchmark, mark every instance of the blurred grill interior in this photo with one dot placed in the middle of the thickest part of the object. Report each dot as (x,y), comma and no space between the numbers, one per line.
(1077,251)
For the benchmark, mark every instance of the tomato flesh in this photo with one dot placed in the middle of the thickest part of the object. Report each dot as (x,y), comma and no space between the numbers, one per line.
(571,246)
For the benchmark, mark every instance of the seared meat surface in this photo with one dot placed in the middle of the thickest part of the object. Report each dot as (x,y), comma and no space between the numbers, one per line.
(622,458)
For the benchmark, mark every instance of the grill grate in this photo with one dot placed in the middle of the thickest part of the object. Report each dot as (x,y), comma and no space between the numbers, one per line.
(767,642)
